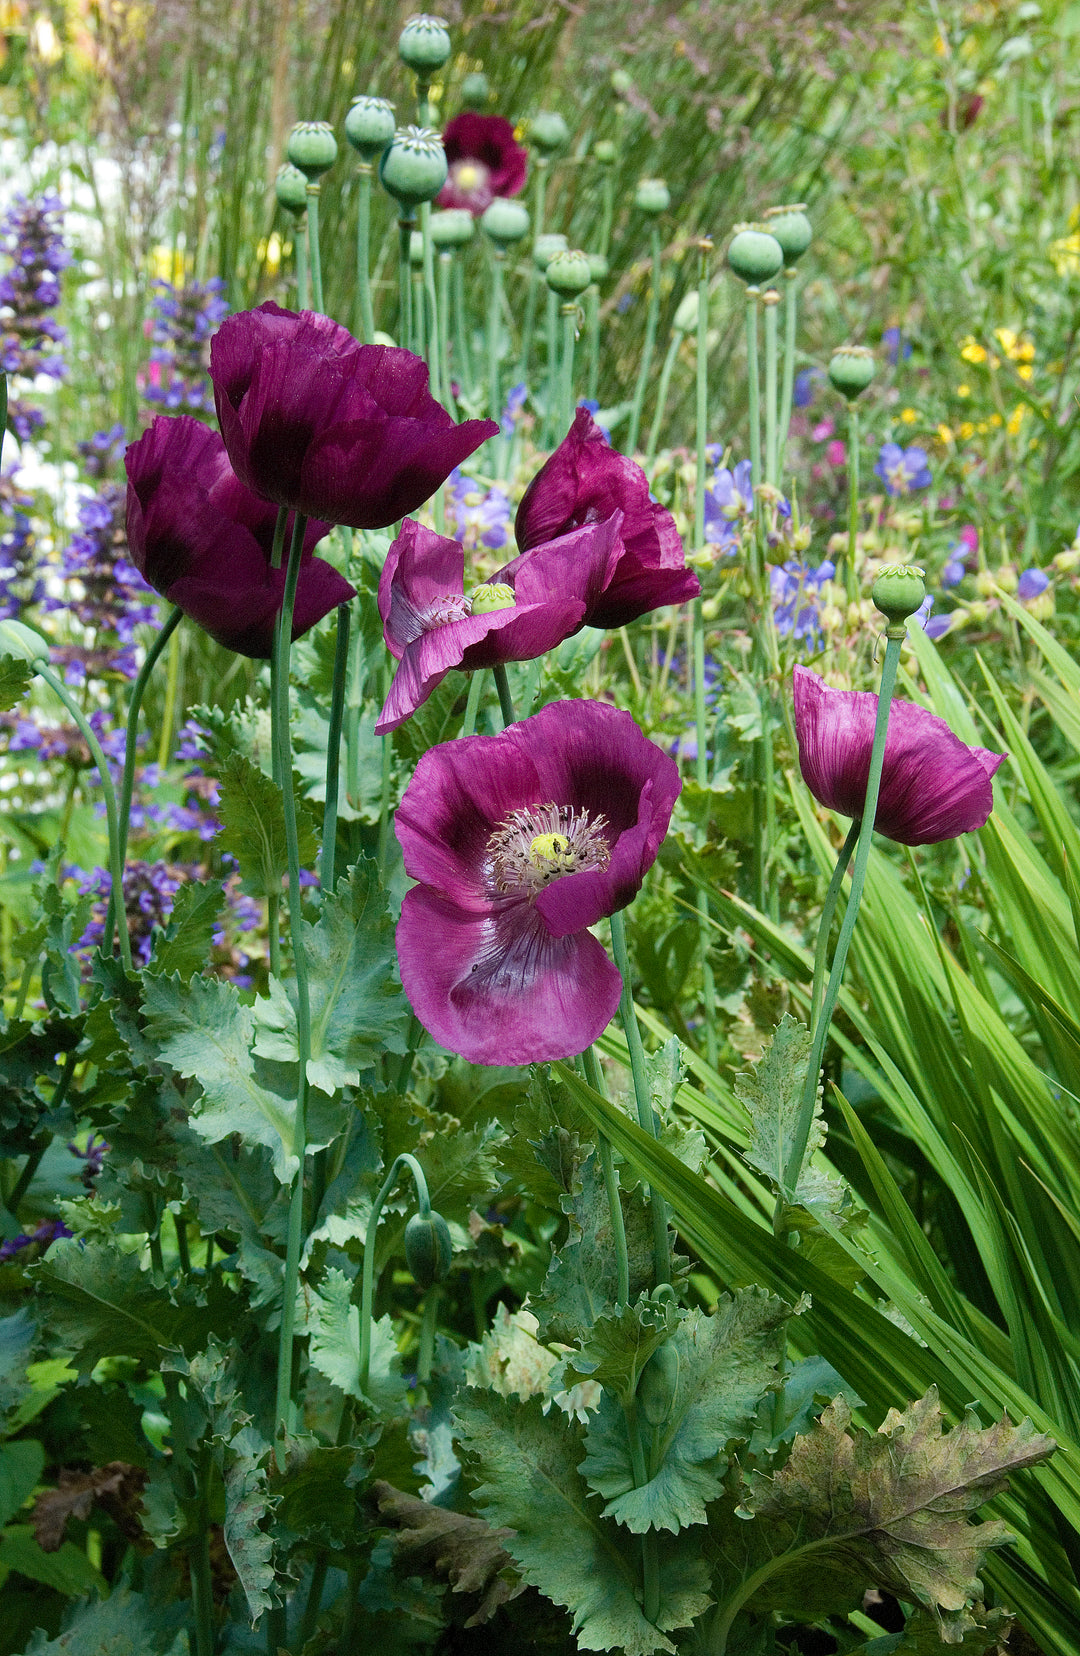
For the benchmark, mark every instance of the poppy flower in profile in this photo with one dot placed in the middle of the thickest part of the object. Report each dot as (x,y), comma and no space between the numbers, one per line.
(933,786)
(315,421)
(430,625)
(485,161)
(204,541)
(520,843)
(584,481)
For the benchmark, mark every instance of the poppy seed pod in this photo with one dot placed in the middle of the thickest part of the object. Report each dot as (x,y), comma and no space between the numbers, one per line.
(652,196)
(792,229)
(370,126)
(545,248)
(851,368)
(453,227)
(568,273)
(475,90)
(899,591)
(428,1248)
(505,222)
(548,133)
(312,148)
(755,256)
(491,596)
(604,152)
(290,187)
(414,168)
(424,44)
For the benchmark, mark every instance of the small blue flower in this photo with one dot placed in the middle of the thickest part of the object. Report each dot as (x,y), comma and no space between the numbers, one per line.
(806,382)
(903,470)
(728,503)
(896,346)
(796,597)
(1031,584)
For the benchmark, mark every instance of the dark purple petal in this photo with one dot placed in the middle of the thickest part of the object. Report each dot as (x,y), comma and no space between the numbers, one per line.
(933,786)
(367,473)
(421,568)
(490,140)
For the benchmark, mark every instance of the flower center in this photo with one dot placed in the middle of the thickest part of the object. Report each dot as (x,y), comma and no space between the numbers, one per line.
(491,596)
(470,175)
(541,843)
(450,606)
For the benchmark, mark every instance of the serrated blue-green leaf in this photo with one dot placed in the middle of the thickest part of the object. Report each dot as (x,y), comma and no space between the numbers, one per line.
(124,1624)
(254,827)
(334,1323)
(15,676)
(619,1345)
(184,946)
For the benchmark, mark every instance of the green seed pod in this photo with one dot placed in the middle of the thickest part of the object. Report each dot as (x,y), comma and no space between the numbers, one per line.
(312,148)
(424,45)
(452,228)
(491,596)
(548,133)
(428,1248)
(658,1385)
(290,187)
(652,196)
(505,221)
(792,229)
(604,152)
(545,248)
(475,90)
(851,368)
(899,591)
(755,256)
(568,273)
(621,82)
(370,126)
(413,169)
(598,266)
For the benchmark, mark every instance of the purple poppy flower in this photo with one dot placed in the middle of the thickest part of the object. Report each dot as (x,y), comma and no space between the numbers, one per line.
(933,786)
(903,470)
(340,431)
(521,842)
(485,161)
(585,481)
(204,540)
(429,626)
(1032,583)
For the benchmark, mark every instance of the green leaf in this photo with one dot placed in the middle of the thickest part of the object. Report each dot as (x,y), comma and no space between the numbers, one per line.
(15,677)
(17,1336)
(315,1493)
(124,1624)
(771,1093)
(530,1483)
(892,1507)
(254,831)
(184,946)
(20,1469)
(726,1362)
(620,1343)
(334,1324)
(68,1570)
(583,1279)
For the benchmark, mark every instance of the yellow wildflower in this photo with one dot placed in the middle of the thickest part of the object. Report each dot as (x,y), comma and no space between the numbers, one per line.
(944,434)
(972,351)
(966,430)
(963,390)
(1016,419)
(908,415)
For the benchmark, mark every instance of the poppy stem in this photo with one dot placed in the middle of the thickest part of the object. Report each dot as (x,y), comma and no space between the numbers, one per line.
(461,329)
(708,984)
(333,749)
(650,1560)
(847,851)
(363,251)
(367,1288)
(445,266)
(494,317)
(642,1092)
(754,392)
(649,346)
(787,394)
(294,1238)
(387,778)
(532,290)
(660,410)
(300,250)
(472,705)
(594,1075)
(770,301)
(405,226)
(569,337)
(551,415)
(853,499)
(314,256)
(592,312)
(506,705)
(808,1100)
(431,300)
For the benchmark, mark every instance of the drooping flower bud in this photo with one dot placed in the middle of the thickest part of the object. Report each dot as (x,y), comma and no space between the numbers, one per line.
(899,591)
(452,228)
(428,1248)
(658,1385)
(290,187)
(312,148)
(490,596)
(424,44)
(568,273)
(475,90)
(414,167)
(851,368)
(546,246)
(506,222)
(548,133)
(370,126)
(755,256)
(652,196)
(792,229)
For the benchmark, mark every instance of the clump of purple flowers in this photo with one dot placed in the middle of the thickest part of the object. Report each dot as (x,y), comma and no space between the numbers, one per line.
(728,504)
(796,598)
(478,516)
(181,323)
(149,890)
(31,236)
(49,1230)
(104,590)
(103,452)
(19,584)
(903,470)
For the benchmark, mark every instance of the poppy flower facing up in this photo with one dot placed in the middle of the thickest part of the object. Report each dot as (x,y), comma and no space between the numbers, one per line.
(485,161)
(933,786)
(584,481)
(337,430)
(203,540)
(430,624)
(521,842)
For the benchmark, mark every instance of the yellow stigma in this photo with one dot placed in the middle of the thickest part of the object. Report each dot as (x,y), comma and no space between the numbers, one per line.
(468,176)
(548,848)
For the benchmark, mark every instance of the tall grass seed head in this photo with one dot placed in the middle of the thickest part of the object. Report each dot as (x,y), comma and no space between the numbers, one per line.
(652,196)
(313,148)
(370,126)
(546,246)
(475,90)
(755,256)
(414,167)
(424,45)
(290,187)
(792,229)
(569,273)
(548,133)
(506,222)
(851,369)
(453,227)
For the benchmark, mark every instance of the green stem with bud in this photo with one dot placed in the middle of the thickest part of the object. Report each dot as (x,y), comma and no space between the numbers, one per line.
(314,255)
(367,1291)
(754,390)
(363,251)
(333,748)
(642,1092)
(595,1077)
(651,320)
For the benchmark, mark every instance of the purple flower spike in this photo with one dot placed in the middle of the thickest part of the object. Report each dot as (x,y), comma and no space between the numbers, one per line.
(340,431)
(485,161)
(585,481)
(521,842)
(429,624)
(204,540)
(933,786)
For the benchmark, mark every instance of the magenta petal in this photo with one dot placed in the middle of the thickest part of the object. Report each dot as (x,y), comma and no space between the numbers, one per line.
(496,988)
(933,786)
(421,569)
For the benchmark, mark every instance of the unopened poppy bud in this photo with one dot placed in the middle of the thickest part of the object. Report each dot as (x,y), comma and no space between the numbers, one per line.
(802,537)
(568,273)
(658,1385)
(475,90)
(598,267)
(604,152)
(506,222)
(428,1248)
(792,229)
(851,368)
(545,248)
(686,315)
(548,133)
(414,168)
(312,148)
(755,256)
(290,187)
(1008,580)
(452,228)
(621,82)
(710,608)
(370,126)
(652,196)
(491,596)
(22,642)
(899,591)
(424,44)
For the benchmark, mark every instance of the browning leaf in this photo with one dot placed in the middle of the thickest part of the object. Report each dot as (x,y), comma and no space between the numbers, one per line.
(116,1488)
(469,1552)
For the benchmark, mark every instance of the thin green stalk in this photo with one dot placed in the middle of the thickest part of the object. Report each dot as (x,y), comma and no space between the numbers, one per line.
(314,256)
(770,300)
(853,499)
(642,1094)
(821,951)
(594,1075)
(650,1558)
(417,343)
(651,320)
(445,267)
(112,817)
(506,704)
(387,779)
(30,1167)
(592,329)
(708,983)
(363,251)
(757,801)
(494,316)
(428,1326)
(277,1630)
(551,408)
(333,749)
(532,290)
(463,357)
(754,392)
(300,246)
(405,228)
(472,705)
(607,207)
(787,395)
(168,715)
(283,737)
(569,336)
(182,1249)
(273,930)
(662,395)
(202,1581)
(801,1136)
(431,333)
(310,1617)
(367,1287)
